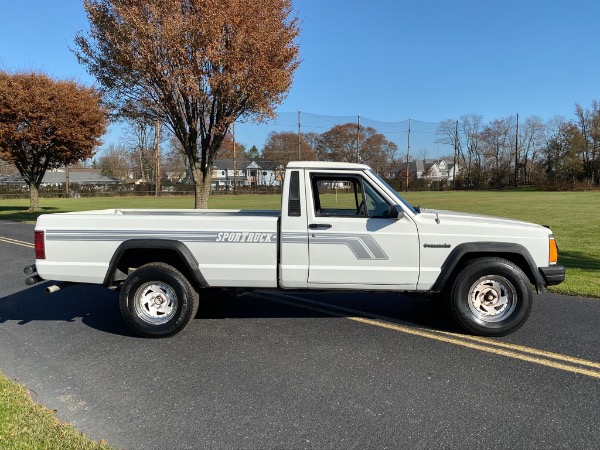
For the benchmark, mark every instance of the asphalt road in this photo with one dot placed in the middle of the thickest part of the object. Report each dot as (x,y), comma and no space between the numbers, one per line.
(292,370)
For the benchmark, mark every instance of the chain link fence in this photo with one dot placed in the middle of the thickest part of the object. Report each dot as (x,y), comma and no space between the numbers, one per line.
(415,138)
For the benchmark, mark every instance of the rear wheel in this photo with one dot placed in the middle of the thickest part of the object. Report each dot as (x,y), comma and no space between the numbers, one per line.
(157,300)
(490,297)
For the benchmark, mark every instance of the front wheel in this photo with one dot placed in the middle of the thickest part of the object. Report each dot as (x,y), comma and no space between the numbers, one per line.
(490,297)
(156,300)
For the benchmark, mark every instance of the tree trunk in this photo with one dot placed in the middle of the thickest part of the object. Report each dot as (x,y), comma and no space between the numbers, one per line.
(34,198)
(201,188)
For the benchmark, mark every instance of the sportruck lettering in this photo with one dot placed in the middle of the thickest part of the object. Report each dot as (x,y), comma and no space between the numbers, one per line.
(245,236)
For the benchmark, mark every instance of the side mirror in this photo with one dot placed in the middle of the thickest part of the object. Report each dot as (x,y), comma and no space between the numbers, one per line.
(396,212)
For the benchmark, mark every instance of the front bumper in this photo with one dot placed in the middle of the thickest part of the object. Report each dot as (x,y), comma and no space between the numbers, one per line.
(553,275)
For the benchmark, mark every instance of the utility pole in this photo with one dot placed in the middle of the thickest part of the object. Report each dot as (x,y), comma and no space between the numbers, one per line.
(408,155)
(234,161)
(517,153)
(358,140)
(157,136)
(299,157)
(455,154)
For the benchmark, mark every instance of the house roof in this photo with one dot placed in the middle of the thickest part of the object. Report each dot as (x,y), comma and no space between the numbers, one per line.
(420,166)
(227,164)
(77,177)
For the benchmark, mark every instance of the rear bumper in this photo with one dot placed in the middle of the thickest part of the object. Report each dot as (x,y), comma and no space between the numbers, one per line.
(553,275)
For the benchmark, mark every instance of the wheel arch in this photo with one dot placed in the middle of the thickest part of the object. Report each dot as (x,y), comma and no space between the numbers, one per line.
(137,252)
(462,254)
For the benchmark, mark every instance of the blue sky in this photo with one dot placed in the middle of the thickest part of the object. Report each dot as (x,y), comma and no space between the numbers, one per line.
(434,60)
(387,60)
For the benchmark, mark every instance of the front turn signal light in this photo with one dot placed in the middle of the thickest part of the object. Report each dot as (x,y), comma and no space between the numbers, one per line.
(553,250)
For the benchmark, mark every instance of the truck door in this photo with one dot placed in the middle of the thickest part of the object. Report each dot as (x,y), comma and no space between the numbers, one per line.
(353,239)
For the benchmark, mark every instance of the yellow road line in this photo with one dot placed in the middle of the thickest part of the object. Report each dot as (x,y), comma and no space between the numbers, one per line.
(521,348)
(481,347)
(541,357)
(16,242)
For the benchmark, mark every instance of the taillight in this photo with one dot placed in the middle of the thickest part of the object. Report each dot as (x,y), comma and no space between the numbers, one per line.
(553,258)
(39,243)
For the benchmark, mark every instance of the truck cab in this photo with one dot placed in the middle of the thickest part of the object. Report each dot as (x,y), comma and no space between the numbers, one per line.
(343,227)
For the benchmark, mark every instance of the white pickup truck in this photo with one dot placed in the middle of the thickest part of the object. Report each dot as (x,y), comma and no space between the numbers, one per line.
(340,227)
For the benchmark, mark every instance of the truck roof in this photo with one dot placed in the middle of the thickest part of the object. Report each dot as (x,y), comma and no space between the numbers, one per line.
(325,165)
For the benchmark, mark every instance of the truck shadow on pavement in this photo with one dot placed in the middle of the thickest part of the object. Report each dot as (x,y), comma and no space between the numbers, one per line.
(395,307)
(98,308)
(95,306)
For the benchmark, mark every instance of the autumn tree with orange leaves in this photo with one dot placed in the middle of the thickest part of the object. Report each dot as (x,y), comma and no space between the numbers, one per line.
(283,147)
(46,124)
(352,143)
(194,65)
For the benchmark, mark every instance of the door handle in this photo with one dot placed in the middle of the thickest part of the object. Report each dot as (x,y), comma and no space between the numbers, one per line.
(319,226)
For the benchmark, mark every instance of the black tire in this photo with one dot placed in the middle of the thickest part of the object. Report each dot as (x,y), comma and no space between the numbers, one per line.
(490,297)
(156,300)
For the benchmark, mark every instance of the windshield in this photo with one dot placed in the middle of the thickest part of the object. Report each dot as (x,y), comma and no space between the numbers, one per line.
(393,192)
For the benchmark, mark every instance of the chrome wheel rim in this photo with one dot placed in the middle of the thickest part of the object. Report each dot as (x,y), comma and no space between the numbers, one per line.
(492,298)
(155,302)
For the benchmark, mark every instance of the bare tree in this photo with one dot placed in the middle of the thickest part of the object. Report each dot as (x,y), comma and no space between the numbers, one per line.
(115,162)
(140,140)
(595,135)
(562,152)
(194,65)
(447,133)
(174,158)
(588,122)
(497,138)
(46,124)
(531,137)
(471,126)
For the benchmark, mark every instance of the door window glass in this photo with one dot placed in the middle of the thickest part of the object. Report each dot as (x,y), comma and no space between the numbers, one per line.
(376,205)
(346,196)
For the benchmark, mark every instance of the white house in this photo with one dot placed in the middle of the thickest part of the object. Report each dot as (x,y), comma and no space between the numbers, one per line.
(246,173)
(431,169)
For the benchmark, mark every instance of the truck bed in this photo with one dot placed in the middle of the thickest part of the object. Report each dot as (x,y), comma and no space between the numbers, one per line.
(80,245)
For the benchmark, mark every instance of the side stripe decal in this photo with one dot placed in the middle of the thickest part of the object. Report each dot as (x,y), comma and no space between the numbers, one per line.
(237,237)
(363,246)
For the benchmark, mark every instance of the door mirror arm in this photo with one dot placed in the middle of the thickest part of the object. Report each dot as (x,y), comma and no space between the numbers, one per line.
(396,212)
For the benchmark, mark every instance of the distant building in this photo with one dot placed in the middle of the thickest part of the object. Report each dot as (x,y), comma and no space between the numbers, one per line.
(247,173)
(58,178)
(176,177)
(428,169)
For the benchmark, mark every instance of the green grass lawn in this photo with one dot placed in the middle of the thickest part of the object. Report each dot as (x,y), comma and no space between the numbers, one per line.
(573,216)
(25,425)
